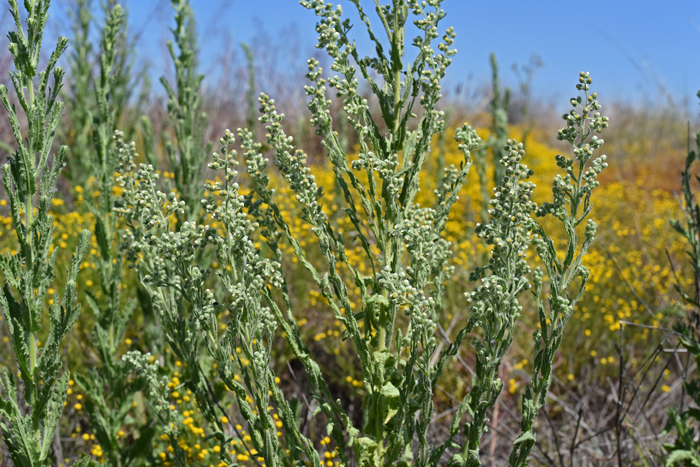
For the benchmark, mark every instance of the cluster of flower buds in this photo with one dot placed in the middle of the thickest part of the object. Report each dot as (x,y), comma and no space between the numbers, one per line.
(292,163)
(141,199)
(399,289)
(422,323)
(511,221)
(318,104)
(579,181)
(580,126)
(437,63)
(509,230)
(145,366)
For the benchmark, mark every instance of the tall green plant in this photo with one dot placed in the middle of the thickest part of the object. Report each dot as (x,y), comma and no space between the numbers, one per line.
(108,386)
(685,449)
(80,103)
(187,309)
(495,304)
(251,118)
(499,122)
(525,74)
(83,87)
(393,329)
(188,154)
(567,278)
(30,417)
(496,143)
(402,297)
(131,86)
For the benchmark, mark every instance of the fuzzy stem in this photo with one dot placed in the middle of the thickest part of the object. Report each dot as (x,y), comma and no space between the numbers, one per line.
(29,258)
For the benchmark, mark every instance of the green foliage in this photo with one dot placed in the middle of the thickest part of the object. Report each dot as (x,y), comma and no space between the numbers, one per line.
(497,140)
(223,302)
(158,392)
(29,420)
(85,108)
(187,156)
(80,103)
(109,389)
(402,297)
(571,206)
(126,77)
(684,450)
(499,122)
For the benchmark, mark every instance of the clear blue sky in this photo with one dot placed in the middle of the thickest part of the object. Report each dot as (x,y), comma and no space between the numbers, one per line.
(632,48)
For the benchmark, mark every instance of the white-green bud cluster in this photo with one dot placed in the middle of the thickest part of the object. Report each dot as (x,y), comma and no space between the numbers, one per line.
(571,205)
(511,222)
(292,163)
(146,367)
(494,303)
(167,258)
(579,180)
(400,290)
(153,206)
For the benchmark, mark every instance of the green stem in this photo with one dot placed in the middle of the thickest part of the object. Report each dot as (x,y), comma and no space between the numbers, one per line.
(397,40)
(32,358)
(379,422)
(111,338)
(397,100)
(29,214)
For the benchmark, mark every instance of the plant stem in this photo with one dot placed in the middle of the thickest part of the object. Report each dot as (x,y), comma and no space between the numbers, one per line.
(29,260)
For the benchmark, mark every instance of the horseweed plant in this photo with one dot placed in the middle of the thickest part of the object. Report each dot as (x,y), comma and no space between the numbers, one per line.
(82,105)
(108,386)
(79,83)
(226,316)
(188,155)
(499,121)
(393,330)
(685,449)
(29,423)
(497,139)
(571,206)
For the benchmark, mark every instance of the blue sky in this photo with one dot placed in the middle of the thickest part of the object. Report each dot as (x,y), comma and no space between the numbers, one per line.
(634,49)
